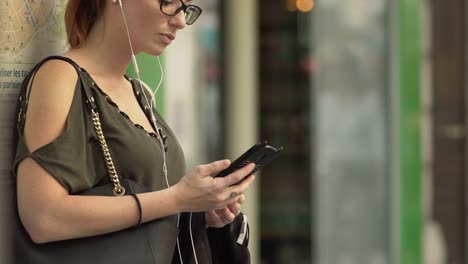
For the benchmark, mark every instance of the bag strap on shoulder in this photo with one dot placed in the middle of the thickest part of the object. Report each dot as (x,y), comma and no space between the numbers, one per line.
(82,75)
(86,84)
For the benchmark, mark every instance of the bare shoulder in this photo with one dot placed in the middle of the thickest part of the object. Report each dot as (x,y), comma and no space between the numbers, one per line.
(50,99)
(54,72)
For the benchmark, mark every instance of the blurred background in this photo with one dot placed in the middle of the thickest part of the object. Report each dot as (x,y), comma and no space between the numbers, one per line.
(368,99)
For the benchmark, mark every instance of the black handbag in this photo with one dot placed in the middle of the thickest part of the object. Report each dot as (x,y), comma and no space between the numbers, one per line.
(152,242)
(229,245)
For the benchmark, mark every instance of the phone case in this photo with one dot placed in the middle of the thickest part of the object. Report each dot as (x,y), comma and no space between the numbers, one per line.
(261,154)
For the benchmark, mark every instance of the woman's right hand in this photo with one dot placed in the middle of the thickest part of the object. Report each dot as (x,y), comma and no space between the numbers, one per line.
(200,191)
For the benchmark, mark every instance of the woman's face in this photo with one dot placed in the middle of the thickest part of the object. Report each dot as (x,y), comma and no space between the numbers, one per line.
(151,30)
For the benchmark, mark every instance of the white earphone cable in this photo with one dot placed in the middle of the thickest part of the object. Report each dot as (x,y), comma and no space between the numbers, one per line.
(159,84)
(153,119)
(137,71)
(191,240)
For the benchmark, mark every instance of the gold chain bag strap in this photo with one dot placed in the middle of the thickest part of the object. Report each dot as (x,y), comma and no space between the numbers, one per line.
(114,177)
(152,242)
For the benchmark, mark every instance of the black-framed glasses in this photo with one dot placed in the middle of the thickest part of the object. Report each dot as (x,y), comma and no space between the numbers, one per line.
(173,7)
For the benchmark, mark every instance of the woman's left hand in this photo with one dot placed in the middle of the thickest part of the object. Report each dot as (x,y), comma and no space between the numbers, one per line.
(220,218)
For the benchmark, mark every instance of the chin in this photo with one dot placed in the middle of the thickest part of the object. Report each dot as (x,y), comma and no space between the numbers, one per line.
(155,51)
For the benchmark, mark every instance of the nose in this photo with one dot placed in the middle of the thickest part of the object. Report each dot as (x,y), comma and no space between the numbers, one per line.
(178,20)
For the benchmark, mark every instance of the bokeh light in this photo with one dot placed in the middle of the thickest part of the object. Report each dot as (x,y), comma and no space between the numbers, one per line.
(305,5)
(300,5)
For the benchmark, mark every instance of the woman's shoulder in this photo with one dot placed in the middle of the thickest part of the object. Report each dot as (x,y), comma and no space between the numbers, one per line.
(55,78)
(51,92)
(57,69)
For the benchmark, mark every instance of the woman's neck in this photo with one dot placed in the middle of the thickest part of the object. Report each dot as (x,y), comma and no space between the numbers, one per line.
(104,53)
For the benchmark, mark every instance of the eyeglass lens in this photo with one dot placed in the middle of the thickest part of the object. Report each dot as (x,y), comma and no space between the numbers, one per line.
(173,7)
(191,14)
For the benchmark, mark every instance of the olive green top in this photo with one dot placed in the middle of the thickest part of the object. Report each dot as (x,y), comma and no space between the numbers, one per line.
(75,158)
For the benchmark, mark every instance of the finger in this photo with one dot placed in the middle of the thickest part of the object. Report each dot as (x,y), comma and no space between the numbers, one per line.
(244,185)
(227,216)
(239,189)
(219,218)
(213,220)
(238,175)
(213,167)
(241,199)
(212,214)
(235,208)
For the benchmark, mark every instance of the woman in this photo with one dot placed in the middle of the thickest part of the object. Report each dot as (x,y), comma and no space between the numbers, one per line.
(58,157)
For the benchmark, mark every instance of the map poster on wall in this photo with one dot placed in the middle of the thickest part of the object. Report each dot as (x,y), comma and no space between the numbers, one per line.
(29,31)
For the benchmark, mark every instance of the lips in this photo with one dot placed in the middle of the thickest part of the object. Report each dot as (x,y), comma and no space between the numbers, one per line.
(167,38)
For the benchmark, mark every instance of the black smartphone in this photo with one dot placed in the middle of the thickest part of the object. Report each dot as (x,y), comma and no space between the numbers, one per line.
(261,154)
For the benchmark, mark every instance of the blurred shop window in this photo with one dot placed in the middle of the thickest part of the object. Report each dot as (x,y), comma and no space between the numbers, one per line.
(286,67)
(193,101)
(351,174)
(324,97)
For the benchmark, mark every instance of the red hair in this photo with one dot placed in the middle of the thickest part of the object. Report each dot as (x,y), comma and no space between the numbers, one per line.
(80,17)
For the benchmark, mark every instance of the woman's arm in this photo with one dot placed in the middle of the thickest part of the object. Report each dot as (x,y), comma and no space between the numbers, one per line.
(49,213)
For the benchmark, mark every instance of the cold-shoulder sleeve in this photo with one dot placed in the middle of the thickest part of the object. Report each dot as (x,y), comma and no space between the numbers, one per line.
(75,158)
(66,157)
